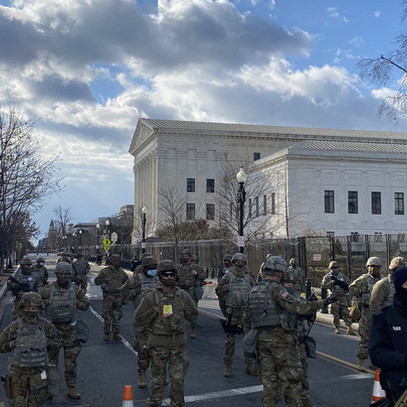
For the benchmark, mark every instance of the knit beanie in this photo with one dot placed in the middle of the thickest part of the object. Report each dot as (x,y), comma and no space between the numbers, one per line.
(400,277)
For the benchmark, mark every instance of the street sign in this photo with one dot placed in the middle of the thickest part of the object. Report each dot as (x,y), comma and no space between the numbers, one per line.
(240,241)
(107,242)
(316,257)
(143,245)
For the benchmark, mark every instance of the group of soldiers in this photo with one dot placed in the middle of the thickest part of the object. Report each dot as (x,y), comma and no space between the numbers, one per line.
(165,298)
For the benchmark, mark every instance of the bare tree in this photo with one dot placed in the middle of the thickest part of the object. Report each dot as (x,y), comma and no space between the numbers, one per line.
(388,68)
(26,178)
(63,219)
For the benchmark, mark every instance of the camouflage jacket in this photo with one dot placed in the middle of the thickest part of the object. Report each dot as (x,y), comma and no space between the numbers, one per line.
(361,289)
(299,279)
(111,279)
(382,294)
(189,275)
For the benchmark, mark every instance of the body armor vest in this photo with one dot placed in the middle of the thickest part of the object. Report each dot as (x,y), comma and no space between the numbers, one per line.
(365,298)
(263,311)
(29,279)
(186,278)
(62,304)
(238,293)
(172,324)
(147,285)
(30,350)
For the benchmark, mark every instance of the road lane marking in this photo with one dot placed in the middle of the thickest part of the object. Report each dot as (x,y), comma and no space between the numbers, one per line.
(123,340)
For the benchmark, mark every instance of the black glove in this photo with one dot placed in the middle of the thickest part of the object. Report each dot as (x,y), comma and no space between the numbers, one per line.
(312,297)
(342,284)
(332,298)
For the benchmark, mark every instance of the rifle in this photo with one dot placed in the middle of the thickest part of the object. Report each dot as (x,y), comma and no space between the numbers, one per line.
(402,401)
(17,286)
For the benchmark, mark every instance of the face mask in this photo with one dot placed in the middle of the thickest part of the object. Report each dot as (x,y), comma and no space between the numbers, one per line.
(63,282)
(183,260)
(152,273)
(30,316)
(168,282)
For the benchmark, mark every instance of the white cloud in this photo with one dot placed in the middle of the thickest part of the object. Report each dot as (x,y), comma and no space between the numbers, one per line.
(377,13)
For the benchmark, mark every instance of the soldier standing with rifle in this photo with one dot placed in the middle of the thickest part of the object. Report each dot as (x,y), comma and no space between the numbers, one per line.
(81,269)
(61,300)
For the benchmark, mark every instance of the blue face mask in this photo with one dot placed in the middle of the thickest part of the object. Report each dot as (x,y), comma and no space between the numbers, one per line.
(152,273)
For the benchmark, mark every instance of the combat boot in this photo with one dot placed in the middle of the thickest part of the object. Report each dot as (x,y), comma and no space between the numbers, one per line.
(72,393)
(228,371)
(117,336)
(307,403)
(193,333)
(142,383)
(350,331)
(361,365)
(106,338)
(251,369)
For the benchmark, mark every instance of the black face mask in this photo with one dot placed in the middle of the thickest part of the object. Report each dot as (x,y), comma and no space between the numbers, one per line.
(402,294)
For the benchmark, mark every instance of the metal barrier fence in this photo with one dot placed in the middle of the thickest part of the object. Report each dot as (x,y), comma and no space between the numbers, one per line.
(312,253)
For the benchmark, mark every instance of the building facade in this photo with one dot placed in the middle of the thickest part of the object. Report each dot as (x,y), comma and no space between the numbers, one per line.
(297,165)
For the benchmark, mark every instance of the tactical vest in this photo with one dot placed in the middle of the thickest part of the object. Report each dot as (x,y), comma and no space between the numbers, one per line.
(185,276)
(30,350)
(175,323)
(238,293)
(29,279)
(263,311)
(80,267)
(147,284)
(365,298)
(62,304)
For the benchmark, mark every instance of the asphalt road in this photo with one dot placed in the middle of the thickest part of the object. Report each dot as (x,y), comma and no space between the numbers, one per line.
(105,368)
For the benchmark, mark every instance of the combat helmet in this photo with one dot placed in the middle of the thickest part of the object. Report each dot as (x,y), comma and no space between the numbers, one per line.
(274,264)
(30,299)
(63,267)
(292,262)
(373,261)
(227,257)
(40,260)
(396,262)
(166,265)
(148,263)
(26,261)
(239,256)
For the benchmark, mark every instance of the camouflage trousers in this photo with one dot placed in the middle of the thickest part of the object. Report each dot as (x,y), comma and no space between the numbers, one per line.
(280,367)
(82,282)
(178,365)
(364,332)
(28,388)
(339,309)
(112,313)
(72,349)
(140,346)
(190,291)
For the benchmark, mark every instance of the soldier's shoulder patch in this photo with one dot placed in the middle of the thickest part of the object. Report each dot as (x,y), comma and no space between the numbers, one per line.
(284,294)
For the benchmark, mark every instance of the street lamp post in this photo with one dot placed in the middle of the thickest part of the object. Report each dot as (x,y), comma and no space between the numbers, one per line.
(241,178)
(97,236)
(73,242)
(107,223)
(143,225)
(80,238)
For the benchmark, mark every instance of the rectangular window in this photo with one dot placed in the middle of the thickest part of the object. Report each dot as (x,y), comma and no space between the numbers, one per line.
(190,211)
(210,211)
(256,156)
(352,201)
(273,203)
(329,201)
(264,205)
(376,203)
(190,184)
(256,202)
(399,203)
(250,208)
(210,185)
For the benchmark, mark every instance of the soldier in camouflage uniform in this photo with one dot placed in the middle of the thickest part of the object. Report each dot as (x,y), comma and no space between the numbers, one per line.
(41,271)
(233,290)
(25,280)
(65,258)
(383,291)
(111,278)
(337,283)
(277,343)
(137,286)
(299,277)
(190,279)
(139,267)
(163,313)
(360,291)
(260,273)
(81,268)
(61,300)
(30,340)
(227,262)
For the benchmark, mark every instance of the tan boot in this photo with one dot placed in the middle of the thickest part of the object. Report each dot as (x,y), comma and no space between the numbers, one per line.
(350,331)
(337,331)
(361,365)
(193,333)
(251,370)
(228,371)
(142,382)
(72,393)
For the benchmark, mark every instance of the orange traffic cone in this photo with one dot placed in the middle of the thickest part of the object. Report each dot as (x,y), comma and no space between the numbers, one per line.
(128,397)
(378,392)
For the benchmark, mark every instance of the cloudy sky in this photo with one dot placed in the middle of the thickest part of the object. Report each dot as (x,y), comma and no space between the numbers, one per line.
(91,68)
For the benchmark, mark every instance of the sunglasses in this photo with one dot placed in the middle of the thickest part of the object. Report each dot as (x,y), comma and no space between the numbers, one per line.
(168,273)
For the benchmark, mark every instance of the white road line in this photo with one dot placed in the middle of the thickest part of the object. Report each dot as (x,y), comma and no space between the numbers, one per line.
(222,394)
(358,376)
(124,341)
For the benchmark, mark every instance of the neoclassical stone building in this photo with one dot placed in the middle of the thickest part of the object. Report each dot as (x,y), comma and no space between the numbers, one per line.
(322,180)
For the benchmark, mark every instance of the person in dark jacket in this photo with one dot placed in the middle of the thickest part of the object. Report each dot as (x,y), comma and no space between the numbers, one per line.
(388,340)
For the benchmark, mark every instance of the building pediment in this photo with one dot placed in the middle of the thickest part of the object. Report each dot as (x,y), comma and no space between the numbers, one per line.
(142,132)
